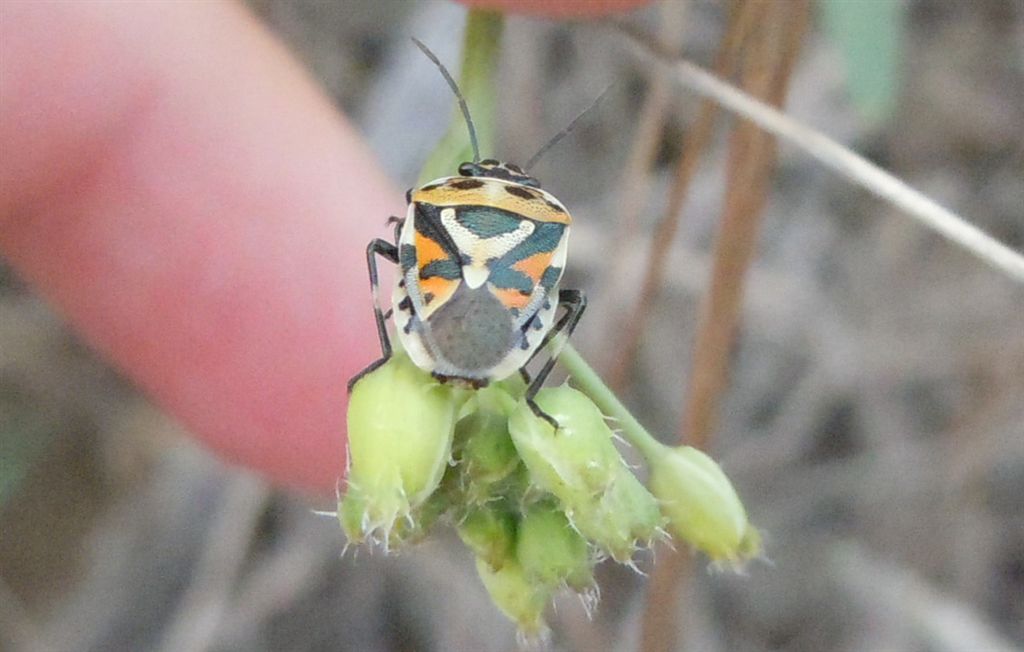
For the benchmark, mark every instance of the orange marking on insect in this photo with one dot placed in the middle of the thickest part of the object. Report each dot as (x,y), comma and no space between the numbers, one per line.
(441,290)
(511,298)
(428,251)
(494,195)
(534,266)
(436,286)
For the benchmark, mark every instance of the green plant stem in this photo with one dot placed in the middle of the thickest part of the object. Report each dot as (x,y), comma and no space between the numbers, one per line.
(481,43)
(587,381)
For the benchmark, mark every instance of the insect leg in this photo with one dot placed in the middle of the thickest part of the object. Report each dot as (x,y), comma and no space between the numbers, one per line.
(399,222)
(575,303)
(389,252)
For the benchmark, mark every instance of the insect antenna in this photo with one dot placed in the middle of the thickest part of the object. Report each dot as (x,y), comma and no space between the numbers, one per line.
(458,95)
(565,132)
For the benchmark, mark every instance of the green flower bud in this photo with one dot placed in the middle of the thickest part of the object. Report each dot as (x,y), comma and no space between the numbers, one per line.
(701,505)
(624,516)
(515,386)
(412,529)
(483,447)
(490,532)
(581,467)
(551,552)
(351,509)
(417,526)
(522,600)
(579,458)
(400,428)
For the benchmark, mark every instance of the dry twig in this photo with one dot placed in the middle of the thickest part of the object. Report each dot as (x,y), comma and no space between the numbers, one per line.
(768,66)
(841,159)
(743,18)
(635,180)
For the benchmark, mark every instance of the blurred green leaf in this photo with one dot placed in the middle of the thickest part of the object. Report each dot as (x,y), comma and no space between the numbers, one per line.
(869,35)
(476,81)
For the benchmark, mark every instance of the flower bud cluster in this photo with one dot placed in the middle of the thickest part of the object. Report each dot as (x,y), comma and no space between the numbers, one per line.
(538,506)
(580,466)
(401,424)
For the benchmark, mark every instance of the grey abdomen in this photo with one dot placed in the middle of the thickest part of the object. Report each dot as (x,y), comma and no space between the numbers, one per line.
(472,331)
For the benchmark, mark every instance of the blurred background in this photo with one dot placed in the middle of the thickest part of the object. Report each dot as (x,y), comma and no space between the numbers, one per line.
(873,421)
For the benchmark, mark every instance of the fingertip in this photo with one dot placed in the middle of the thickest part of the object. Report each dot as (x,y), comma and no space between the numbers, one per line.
(564,9)
(209,237)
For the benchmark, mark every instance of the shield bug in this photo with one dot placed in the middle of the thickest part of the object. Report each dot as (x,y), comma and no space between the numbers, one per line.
(480,257)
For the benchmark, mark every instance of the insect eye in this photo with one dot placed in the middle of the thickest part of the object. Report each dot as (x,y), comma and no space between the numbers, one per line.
(467,169)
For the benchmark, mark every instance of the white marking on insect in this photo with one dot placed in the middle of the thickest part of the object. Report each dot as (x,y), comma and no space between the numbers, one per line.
(481,251)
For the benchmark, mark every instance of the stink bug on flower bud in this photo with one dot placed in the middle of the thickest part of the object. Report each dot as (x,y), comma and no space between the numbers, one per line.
(480,256)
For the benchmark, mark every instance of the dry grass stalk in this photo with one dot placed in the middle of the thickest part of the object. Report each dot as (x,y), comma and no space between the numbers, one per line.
(635,183)
(767,69)
(752,158)
(743,17)
(844,161)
